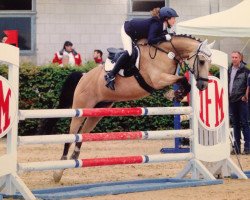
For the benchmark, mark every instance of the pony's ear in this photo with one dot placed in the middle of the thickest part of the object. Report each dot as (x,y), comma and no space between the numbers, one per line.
(204,42)
(211,45)
(205,48)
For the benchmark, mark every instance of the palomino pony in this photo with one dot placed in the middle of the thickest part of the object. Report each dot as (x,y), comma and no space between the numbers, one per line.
(157,69)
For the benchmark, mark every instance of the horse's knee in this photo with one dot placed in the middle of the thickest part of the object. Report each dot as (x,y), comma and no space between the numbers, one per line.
(182,81)
(184,85)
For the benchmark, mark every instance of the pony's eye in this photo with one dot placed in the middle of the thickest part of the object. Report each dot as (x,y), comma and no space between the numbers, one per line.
(202,62)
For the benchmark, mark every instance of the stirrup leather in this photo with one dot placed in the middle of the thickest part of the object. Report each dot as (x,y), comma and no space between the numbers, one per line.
(109,78)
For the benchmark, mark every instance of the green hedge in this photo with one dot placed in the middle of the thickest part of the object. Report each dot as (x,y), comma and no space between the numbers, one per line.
(40,88)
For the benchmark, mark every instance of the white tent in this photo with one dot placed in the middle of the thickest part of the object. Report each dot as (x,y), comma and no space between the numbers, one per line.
(234,22)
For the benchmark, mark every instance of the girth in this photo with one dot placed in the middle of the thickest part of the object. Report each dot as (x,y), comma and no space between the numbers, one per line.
(141,81)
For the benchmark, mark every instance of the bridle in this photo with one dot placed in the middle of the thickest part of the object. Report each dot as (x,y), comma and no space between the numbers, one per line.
(184,65)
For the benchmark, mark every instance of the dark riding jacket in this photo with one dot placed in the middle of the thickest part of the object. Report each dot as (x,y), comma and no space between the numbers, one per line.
(239,84)
(151,28)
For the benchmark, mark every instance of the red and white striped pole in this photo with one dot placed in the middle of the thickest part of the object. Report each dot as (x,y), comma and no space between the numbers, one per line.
(102,112)
(92,162)
(87,137)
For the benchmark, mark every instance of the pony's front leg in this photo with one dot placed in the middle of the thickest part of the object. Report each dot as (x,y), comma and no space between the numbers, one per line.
(169,79)
(183,90)
(165,80)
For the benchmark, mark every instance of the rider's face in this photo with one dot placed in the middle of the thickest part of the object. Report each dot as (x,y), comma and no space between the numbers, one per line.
(171,21)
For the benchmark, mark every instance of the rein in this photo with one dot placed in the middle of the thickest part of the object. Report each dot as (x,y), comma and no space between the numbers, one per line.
(162,50)
(193,70)
(186,66)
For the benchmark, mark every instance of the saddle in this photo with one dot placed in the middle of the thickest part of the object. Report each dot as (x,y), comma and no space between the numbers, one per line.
(128,69)
(131,68)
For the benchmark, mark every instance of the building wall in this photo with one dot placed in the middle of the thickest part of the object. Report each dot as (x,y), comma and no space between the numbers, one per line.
(88,24)
(95,24)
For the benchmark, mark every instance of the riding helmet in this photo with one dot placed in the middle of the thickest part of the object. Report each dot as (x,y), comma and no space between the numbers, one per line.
(166,12)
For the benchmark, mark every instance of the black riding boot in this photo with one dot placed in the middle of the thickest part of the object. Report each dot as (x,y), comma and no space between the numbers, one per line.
(110,76)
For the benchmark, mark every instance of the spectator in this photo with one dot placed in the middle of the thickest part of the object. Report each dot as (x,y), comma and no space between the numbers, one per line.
(3,37)
(238,75)
(98,56)
(67,55)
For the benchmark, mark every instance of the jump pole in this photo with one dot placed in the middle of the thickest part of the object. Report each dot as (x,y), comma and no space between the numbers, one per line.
(92,162)
(88,137)
(102,112)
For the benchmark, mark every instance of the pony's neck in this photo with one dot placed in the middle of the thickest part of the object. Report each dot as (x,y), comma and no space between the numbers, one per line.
(183,46)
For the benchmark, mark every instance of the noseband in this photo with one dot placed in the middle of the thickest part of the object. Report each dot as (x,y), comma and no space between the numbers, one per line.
(196,59)
(186,66)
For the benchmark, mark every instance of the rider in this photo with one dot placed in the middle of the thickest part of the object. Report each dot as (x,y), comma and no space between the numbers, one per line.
(155,29)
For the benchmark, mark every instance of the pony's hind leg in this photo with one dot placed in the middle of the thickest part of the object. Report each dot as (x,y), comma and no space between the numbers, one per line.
(88,126)
(74,127)
(67,146)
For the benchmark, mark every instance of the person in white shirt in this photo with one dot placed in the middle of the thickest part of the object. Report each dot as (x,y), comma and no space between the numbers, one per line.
(67,55)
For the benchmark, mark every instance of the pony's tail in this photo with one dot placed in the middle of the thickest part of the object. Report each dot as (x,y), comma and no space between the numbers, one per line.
(47,126)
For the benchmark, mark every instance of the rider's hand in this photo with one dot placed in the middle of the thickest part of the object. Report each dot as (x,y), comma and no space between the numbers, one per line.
(244,98)
(168,37)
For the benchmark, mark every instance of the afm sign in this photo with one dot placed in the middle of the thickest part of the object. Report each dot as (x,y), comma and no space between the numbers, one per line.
(212,105)
(8,106)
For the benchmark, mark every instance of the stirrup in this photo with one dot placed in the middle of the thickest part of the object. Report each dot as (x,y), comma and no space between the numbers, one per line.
(111,84)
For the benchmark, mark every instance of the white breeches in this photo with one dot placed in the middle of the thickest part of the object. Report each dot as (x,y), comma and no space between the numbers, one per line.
(126,41)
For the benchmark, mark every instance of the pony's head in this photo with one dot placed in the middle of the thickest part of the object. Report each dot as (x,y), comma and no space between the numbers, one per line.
(187,48)
(199,64)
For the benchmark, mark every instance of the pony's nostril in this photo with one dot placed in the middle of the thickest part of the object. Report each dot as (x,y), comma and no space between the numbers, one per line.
(201,86)
(204,86)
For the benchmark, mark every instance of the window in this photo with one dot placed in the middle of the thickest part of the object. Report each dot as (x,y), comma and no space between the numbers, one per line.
(23,27)
(16,5)
(141,8)
(146,6)
(19,16)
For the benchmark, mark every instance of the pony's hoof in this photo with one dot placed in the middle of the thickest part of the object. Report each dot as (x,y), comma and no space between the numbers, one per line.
(64,158)
(57,175)
(179,95)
